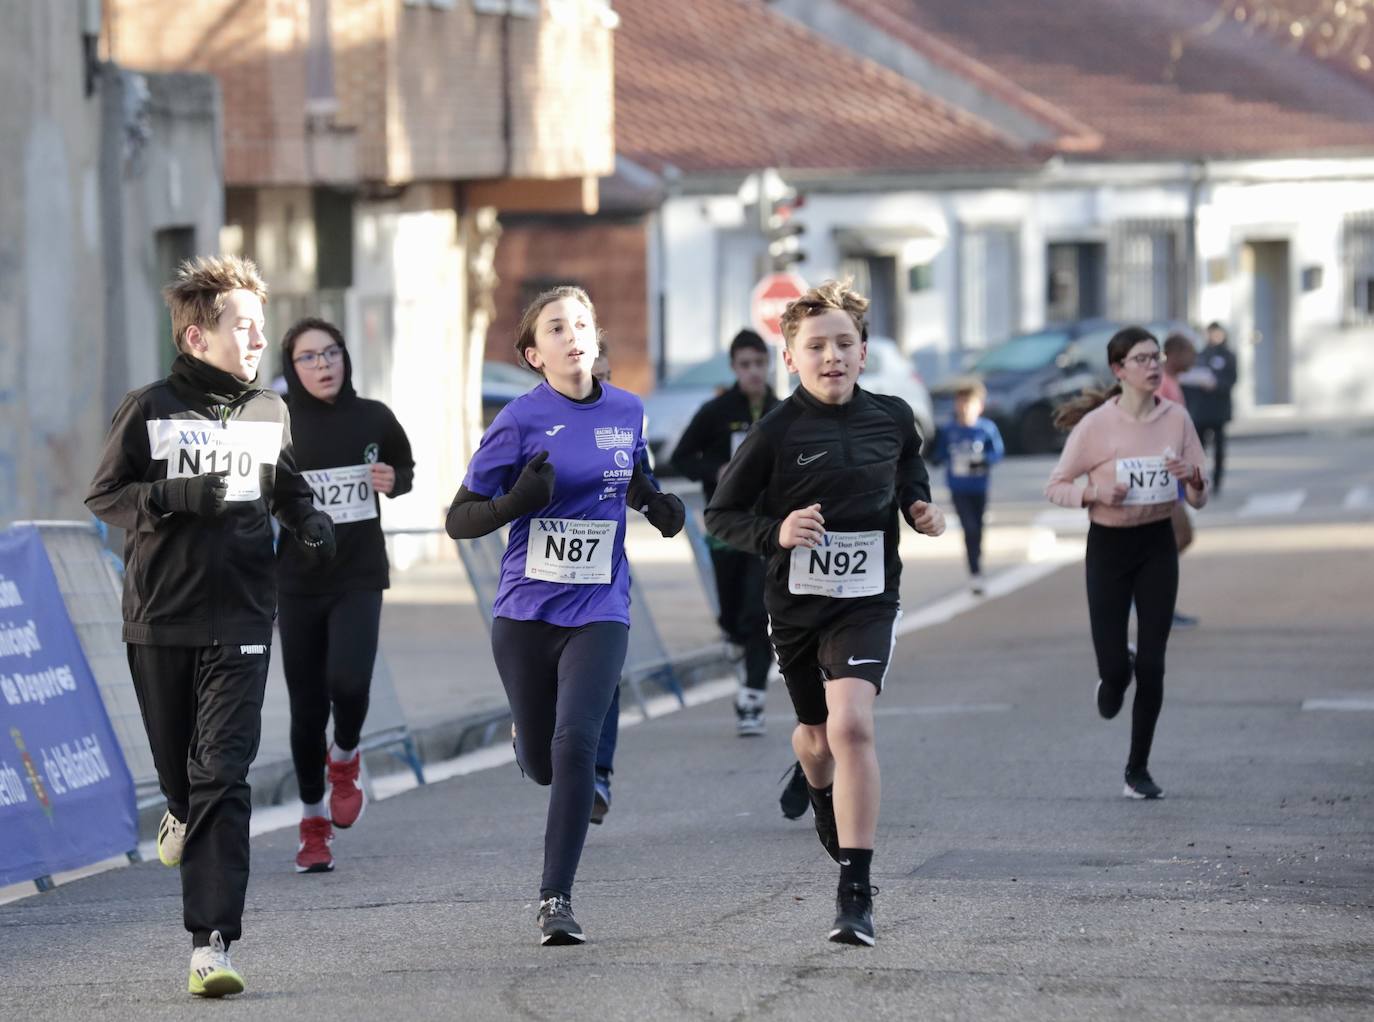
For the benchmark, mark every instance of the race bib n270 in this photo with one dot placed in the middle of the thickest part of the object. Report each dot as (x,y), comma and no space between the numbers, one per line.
(344,494)
(570,550)
(200,447)
(1148,480)
(845,566)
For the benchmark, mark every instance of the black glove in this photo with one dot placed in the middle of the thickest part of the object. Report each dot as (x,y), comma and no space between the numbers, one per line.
(316,537)
(197,495)
(532,491)
(666,513)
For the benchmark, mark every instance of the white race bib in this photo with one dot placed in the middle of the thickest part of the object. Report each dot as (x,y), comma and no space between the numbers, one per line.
(200,447)
(737,438)
(968,459)
(846,565)
(571,550)
(344,494)
(1148,479)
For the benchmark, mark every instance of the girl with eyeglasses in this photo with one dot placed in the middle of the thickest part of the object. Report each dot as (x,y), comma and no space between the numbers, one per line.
(1134,448)
(350,450)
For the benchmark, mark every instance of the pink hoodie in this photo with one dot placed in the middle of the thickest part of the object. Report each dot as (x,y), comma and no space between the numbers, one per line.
(1108,444)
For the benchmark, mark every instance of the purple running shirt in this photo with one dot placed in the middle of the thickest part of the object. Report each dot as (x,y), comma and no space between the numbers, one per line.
(574,572)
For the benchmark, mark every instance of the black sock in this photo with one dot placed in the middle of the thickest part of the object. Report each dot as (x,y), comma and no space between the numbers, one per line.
(854,864)
(820,796)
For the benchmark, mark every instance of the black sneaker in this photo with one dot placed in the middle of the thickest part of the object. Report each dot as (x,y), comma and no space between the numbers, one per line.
(601,799)
(854,915)
(794,799)
(556,922)
(1183,622)
(823,809)
(1139,784)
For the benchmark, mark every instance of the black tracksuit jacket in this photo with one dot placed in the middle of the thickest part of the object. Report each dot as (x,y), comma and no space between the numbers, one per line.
(705,443)
(351,431)
(191,580)
(860,461)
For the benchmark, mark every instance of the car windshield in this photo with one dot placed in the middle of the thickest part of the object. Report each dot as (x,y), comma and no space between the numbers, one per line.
(714,372)
(1029,351)
(504,372)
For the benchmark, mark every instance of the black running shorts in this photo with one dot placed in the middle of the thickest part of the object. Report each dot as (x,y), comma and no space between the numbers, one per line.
(858,644)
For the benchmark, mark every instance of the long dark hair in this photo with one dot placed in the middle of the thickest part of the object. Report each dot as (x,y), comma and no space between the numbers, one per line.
(1067,415)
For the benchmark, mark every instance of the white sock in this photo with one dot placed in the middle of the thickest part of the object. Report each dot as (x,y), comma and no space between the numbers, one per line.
(339,755)
(309,809)
(748,698)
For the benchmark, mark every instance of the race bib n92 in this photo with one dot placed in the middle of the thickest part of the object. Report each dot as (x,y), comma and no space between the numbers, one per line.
(570,550)
(344,494)
(202,447)
(846,565)
(1148,480)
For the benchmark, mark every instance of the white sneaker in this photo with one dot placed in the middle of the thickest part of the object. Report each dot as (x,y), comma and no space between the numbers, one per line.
(171,840)
(975,585)
(211,973)
(749,719)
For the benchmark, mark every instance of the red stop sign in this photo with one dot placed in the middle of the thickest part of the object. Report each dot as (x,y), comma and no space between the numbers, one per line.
(770,297)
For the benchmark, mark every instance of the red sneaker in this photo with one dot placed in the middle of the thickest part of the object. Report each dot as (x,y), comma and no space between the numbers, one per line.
(346,798)
(314,856)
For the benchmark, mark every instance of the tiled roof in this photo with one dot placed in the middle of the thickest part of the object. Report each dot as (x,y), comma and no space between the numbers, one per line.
(714,86)
(1140,74)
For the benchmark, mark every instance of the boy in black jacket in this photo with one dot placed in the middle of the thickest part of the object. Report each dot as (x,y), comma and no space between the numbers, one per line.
(707,445)
(192,468)
(816,488)
(349,450)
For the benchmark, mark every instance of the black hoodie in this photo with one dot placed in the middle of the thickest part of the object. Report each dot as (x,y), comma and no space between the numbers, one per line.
(351,432)
(191,580)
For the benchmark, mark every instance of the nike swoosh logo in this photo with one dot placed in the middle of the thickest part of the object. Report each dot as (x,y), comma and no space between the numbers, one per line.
(554,431)
(856,663)
(804,460)
(845,862)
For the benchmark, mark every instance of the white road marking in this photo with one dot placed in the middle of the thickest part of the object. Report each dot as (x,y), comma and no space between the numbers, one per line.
(1353,704)
(1282,502)
(1361,498)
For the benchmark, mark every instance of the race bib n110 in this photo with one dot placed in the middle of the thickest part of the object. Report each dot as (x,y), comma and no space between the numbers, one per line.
(846,565)
(570,550)
(202,447)
(1148,480)
(344,494)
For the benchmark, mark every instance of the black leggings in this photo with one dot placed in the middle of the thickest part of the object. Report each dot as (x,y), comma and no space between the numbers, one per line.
(328,646)
(559,682)
(739,587)
(1134,564)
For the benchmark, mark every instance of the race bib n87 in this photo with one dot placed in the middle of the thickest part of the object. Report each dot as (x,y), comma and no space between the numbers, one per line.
(201,447)
(345,494)
(1148,480)
(846,565)
(570,550)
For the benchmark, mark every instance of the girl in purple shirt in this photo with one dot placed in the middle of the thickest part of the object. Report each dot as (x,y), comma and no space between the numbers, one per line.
(558,465)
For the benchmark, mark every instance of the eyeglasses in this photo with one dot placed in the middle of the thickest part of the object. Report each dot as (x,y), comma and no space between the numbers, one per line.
(1144,360)
(313,359)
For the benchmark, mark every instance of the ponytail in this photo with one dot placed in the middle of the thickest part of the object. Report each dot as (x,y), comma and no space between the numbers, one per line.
(1067,415)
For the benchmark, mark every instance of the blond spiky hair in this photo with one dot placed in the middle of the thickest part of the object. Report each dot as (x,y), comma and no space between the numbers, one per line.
(196,296)
(833,294)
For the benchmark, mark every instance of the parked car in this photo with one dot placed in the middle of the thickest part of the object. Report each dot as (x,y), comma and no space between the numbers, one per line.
(503,382)
(1031,374)
(670,407)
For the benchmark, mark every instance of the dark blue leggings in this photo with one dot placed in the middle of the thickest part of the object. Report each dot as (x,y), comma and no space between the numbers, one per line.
(971,507)
(559,682)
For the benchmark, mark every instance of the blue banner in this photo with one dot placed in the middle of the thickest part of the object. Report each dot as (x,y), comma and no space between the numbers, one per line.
(66,797)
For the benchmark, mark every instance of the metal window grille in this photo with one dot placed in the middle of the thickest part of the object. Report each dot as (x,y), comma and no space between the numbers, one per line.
(1147,271)
(989,285)
(1357,267)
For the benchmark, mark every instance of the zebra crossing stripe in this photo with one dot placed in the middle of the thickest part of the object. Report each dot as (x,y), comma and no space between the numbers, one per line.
(1283,502)
(1359,499)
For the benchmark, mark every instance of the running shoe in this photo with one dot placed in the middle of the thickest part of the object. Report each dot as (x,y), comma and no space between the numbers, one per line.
(601,796)
(347,799)
(1139,784)
(749,720)
(823,809)
(1183,622)
(854,915)
(211,973)
(313,855)
(171,840)
(556,923)
(794,799)
(975,584)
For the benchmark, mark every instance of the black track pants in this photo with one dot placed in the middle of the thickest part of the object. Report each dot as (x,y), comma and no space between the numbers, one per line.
(202,709)
(1135,564)
(328,647)
(739,587)
(559,682)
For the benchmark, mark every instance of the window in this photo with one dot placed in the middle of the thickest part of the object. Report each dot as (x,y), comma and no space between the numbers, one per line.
(989,285)
(1357,258)
(1146,274)
(516,8)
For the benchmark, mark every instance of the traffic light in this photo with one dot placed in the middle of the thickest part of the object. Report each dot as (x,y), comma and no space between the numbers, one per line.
(784,231)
